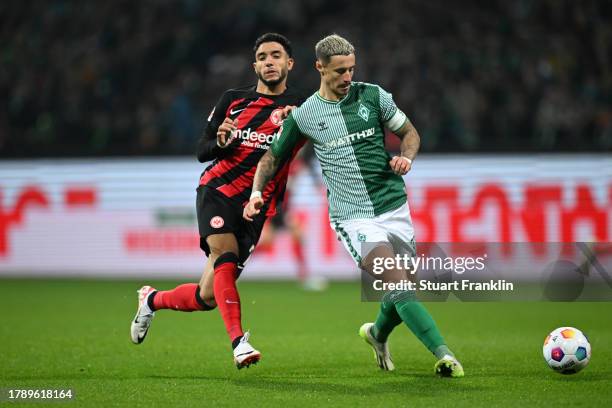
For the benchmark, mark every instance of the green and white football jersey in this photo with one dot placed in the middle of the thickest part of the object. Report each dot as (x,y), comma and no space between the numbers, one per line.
(348,137)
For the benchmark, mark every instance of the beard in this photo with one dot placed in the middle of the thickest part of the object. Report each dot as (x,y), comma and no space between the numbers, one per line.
(272,83)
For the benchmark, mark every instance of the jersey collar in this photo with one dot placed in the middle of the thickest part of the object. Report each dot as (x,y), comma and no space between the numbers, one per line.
(322,99)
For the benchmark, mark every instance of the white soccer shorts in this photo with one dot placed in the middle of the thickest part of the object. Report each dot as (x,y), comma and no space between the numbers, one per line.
(394,227)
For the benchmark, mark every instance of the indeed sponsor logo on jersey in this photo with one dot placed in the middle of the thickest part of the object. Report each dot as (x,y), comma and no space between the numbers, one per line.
(348,139)
(255,139)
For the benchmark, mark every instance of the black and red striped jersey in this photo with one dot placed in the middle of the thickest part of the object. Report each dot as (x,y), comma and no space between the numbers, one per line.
(233,168)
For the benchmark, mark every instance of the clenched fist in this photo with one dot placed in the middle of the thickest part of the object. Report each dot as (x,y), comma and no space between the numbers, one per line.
(400,165)
(225,132)
(252,208)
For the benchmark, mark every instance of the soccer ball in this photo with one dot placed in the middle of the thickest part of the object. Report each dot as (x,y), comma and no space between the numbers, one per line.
(567,350)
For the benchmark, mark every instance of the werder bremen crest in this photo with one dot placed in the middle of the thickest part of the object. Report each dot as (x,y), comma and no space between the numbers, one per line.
(363,112)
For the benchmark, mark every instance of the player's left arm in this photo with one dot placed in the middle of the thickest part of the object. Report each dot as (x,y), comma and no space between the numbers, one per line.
(408,149)
(397,122)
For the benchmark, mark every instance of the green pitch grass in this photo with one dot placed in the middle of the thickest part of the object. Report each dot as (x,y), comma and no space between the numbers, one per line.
(59,334)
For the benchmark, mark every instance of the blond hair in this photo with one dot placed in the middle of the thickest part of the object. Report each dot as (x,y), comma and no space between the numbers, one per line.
(333,45)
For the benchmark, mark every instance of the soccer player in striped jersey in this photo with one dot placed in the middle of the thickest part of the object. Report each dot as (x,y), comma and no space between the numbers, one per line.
(345,120)
(240,129)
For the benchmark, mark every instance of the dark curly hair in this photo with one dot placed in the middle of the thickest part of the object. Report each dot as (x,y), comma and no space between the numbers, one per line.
(274,37)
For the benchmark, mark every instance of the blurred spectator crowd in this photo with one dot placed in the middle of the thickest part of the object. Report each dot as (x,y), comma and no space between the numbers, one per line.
(140,77)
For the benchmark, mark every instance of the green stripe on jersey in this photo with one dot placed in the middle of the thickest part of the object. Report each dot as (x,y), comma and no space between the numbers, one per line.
(385,189)
(348,138)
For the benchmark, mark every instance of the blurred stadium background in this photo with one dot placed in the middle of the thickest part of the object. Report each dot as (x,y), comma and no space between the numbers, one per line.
(103,104)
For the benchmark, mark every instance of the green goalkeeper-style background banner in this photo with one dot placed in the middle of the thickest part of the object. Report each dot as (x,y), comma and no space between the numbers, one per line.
(136,217)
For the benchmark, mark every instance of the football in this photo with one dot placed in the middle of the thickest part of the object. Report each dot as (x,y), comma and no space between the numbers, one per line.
(567,350)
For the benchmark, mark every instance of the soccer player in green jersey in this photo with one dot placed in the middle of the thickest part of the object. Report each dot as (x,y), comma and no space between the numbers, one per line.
(346,122)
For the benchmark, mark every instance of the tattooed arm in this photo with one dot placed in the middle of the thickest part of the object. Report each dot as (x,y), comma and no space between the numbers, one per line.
(266,168)
(410,146)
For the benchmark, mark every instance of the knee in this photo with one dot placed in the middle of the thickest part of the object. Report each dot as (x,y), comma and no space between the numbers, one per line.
(206,299)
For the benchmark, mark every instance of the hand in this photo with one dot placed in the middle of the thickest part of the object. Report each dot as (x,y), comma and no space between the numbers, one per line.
(286,111)
(400,165)
(225,132)
(252,208)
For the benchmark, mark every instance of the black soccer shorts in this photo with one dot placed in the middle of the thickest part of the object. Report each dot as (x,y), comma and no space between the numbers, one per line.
(218,214)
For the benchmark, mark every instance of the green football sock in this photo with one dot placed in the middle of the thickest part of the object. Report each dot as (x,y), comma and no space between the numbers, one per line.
(442,351)
(420,322)
(386,321)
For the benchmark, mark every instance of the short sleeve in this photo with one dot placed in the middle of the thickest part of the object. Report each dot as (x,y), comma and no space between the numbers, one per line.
(289,137)
(390,114)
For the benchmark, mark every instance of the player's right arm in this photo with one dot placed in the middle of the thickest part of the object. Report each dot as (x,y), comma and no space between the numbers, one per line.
(216,134)
(265,170)
(289,137)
